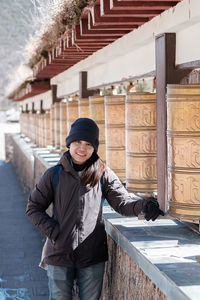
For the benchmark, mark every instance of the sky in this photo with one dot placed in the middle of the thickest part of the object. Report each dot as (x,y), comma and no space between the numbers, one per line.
(15,29)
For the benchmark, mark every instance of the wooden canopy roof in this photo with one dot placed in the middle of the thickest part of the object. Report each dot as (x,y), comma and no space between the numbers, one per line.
(101,23)
(32,89)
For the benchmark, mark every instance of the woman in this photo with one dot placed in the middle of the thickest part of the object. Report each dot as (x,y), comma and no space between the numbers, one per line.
(76,246)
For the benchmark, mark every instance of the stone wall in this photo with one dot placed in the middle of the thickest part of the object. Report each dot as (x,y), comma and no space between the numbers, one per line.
(125,280)
(22,160)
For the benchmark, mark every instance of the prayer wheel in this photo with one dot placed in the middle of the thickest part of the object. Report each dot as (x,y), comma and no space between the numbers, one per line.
(183,136)
(115,134)
(52,125)
(141,170)
(41,130)
(47,136)
(21,122)
(63,125)
(97,113)
(37,128)
(34,127)
(72,112)
(83,108)
(57,124)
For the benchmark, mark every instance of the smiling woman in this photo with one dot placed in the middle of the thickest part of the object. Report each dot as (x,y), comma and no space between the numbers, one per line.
(76,245)
(80,151)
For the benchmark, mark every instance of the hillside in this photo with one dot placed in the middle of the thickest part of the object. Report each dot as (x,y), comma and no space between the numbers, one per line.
(15,27)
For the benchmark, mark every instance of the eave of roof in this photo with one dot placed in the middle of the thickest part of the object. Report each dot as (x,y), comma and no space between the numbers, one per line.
(100,23)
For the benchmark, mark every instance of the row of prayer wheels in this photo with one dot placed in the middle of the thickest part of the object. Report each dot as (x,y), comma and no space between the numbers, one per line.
(122,149)
(36,126)
(128,141)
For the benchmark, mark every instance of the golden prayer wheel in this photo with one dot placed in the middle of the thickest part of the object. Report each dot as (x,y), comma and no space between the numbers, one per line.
(41,130)
(21,122)
(83,108)
(37,128)
(31,125)
(141,170)
(52,125)
(33,122)
(97,113)
(57,124)
(72,112)
(47,136)
(63,125)
(183,135)
(115,134)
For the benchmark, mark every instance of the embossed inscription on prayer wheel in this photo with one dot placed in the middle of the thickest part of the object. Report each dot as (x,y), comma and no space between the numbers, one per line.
(115,134)
(183,135)
(83,108)
(97,113)
(141,170)
(72,112)
(63,125)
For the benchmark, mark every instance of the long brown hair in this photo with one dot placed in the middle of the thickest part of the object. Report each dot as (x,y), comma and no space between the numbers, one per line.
(94,170)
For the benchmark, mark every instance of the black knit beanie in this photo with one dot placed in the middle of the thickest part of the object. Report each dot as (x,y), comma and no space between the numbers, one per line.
(84,129)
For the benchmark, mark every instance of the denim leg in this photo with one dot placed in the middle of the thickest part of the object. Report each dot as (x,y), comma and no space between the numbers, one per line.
(61,281)
(90,280)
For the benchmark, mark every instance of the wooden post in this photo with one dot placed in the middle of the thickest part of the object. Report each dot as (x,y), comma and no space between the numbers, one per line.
(83,91)
(165,73)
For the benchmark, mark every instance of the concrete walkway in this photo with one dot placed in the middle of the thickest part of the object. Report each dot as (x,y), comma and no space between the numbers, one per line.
(20,244)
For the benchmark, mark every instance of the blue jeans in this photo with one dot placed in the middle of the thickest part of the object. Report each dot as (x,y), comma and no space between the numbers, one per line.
(89,281)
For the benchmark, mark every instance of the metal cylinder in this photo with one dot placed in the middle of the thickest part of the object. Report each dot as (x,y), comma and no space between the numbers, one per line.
(52,125)
(83,108)
(47,137)
(57,124)
(115,134)
(141,170)
(183,135)
(97,113)
(63,125)
(72,112)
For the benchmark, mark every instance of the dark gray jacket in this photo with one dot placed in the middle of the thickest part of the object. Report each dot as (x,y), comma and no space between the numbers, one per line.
(76,233)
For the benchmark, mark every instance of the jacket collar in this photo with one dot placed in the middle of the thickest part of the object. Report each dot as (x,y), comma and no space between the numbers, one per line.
(65,162)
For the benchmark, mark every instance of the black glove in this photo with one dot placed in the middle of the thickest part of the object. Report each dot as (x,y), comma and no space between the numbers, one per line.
(152,210)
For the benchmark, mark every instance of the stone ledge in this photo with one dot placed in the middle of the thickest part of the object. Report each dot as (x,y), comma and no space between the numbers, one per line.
(166,250)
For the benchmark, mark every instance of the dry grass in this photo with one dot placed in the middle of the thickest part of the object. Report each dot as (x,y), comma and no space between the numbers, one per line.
(55,17)
(51,19)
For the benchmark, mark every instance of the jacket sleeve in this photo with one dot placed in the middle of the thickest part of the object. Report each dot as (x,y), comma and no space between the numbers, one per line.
(119,198)
(39,200)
